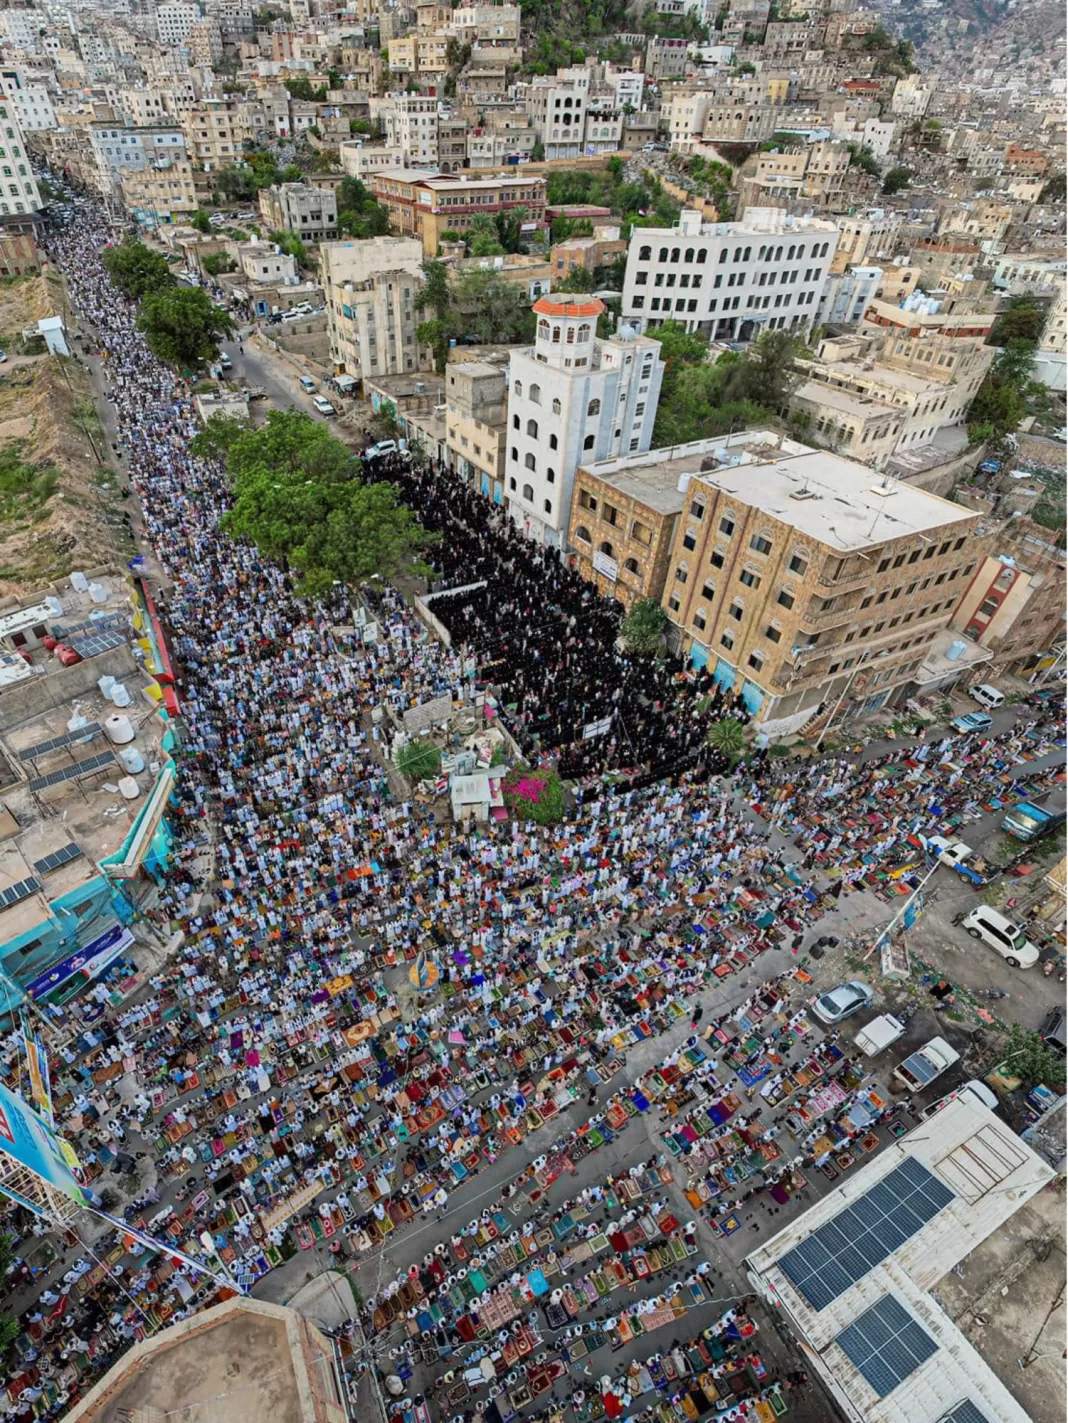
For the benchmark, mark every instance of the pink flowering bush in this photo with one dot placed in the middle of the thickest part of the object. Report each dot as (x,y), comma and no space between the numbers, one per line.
(535,795)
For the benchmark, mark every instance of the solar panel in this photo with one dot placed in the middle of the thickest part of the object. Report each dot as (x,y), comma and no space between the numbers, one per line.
(73,773)
(96,642)
(57,743)
(964,1412)
(16,893)
(62,856)
(843,1251)
(886,1345)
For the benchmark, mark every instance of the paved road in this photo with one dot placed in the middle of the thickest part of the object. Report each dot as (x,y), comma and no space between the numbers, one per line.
(256,367)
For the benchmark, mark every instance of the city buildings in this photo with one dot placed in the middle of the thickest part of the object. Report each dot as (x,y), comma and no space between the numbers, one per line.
(802,577)
(174,22)
(427,205)
(370,288)
(19,192)
(161,193)
(864,1279)
(476,418)
(573,397)
(729,280)
(309,212)
(1014,603)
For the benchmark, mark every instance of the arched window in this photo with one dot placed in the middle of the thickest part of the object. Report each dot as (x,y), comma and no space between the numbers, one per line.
(543,335)
(570,335)
(674,254)
(584,332)
(689,255)
(567,103)
(724,254)
(790,254)
(737,254)
(556,407)
(532,429)
(663,254)
(778,254)
(745,254)
(550,475)
(556,335)
(515,422)
(554,443)
(607,549)
(702,253)
(588,443)
(594,408)
(761,254)
(515,454)
(528,492)
(529,461)
(645,254)
(535,395)
(682,573)
(630,565)
(518,387)
(800,253)
(583,533)
(548,506)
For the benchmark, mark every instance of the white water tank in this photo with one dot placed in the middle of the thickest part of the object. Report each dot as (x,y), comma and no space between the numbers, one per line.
(105,684)
(956,650)
(98,592)
(79,582)
(128,788)
(77,721)
(119,695)
(132,759)
(118,729)
(55,607)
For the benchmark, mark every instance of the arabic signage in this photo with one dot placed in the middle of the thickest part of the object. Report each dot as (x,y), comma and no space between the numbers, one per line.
(90,961)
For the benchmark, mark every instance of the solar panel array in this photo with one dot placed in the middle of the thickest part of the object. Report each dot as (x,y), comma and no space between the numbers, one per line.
(96,642)
(16,893)
(73,773)
(62,856)
(57,743)
(843,1251)
(964,1412)
(886,1345)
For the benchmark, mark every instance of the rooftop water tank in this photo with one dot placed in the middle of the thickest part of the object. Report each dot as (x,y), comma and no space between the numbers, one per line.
(105,683)
(128,788)
(118,729)
(119,695)
(79,582)
(98,592)
(132,759)
(956,650)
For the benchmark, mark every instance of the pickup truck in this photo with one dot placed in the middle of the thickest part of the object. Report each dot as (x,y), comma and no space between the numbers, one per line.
(921,1068)
(960,857)
(879,1034)
(254,392)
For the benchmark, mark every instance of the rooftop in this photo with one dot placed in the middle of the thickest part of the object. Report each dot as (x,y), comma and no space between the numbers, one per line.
(243,1359)
(836,501)
(860,406)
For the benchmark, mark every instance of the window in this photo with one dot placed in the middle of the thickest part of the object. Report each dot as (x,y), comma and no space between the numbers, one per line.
(515,422)
(727,640)
(708,592)
(682,573)
(773,633)
(607,549)
(589,442)
(756,660)
(798,562)
(556,404)
(760,543)
(700,620)
(785,599)
(689,539)
(587,500)
(532,429)
(583,533)
(673,603)
(515,454)
(697,510)
(553,441)
(548,506)
(726,526)
(535,395)
(610,514)
(718,559)
(530,461)
(594,408)
(736,610)
(630,565)
(528,492)
(512,485)
(640,534)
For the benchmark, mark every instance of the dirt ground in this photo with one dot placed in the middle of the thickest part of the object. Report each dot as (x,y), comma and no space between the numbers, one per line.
(53,490)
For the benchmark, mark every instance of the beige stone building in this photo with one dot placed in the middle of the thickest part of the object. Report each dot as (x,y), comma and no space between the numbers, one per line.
(160,194)
(295,207)
(804,579)
(215,134)
(370,288)
(428,204)
(857,426)
(1014,603)
(476,413)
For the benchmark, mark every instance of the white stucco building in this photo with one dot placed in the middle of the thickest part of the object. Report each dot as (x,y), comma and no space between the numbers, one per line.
(174,22)
(572,398)
(729,280)
(18,186)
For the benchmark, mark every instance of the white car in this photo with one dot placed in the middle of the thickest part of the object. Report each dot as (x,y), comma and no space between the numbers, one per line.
(323,406)
(841,1002)
(1001,934)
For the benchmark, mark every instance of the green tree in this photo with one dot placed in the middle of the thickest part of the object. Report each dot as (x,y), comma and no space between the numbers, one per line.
(136,269)
(1055,190)
(434,295)
(862,157)
(385,417)
(236,184)
(1027,1057)
(301,87)
(215,263)
(679,347)
(1015,363)
(291,173)
(537,153)
(434,333)
(896,179)
(1022,321)
(419,760)
(183,325)
(359,215)
(297,497)
(200,221)
(579,279)
(767,374)
(483,239)
(727,736)
(535,795)
(509,225)
(644,626)
(291,243)
(746,68)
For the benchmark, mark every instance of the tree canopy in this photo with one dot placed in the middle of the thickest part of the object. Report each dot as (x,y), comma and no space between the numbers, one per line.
(1023,320)
(480,305)
(895,179)
(1001,401)
(183,325)
(358,213)
(701,398)
(136,269)
(298,497)
(644,626)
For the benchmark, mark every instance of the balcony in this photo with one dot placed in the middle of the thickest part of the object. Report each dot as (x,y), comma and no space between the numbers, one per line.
(819,618)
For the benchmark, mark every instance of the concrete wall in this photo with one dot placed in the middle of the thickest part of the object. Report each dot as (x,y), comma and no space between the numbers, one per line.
(63,684)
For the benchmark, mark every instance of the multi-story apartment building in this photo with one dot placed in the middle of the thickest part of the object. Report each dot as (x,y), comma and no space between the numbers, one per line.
(18,187)
(294,207)
(1014,603)
(1051,360)
(411,124)
(846,295)
(803,578)
(573,397)
(204,42)
(865,238)
(162,193)
(24,29)
(729,280)
(489,148)
(476,417)
(360,160)
(174,22)
(215,133)
(557,108)
(31,102)
(487,26)
(738,123)
(426,205)
(370,288)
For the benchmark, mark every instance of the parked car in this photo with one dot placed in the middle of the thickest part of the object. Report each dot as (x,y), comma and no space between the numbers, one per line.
(972,721)
(1001,934)
(225,362)
(1052,1031)
(323,406)
(385,447)
(842,1002)
(978,1093)
(987,696)
(306,383)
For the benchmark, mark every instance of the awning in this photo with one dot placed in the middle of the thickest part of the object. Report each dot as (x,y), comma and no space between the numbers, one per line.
(90,961)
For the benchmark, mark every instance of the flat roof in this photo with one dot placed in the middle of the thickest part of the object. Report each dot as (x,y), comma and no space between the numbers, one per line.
(844,508)
(863,407)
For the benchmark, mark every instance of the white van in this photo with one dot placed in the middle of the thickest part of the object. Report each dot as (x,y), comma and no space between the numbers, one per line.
(977,1093)
(323,406)
(1002,934)
(987,696)
(306,383)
